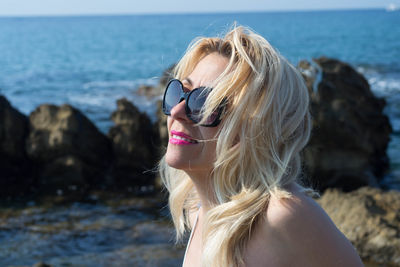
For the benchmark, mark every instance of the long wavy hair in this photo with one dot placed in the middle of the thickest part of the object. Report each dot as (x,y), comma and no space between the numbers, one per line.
(265,125)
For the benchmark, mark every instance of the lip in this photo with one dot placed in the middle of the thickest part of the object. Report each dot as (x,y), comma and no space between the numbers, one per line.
(190,140)
(173,132)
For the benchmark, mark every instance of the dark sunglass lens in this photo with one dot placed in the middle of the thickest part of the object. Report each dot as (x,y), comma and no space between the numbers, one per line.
(196,102)
(172,96)
(212,118)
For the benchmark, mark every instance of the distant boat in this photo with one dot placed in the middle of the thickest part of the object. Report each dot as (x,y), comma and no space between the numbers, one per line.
(392,7)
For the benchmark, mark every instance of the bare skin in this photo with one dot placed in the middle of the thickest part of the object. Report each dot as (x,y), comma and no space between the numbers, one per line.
(298,232)
(196,159)
(293,232)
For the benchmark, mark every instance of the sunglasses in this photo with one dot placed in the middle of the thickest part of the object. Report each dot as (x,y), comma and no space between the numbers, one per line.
(194,102)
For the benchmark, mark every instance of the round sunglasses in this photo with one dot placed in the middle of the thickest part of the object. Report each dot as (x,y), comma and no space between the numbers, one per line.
(194,102)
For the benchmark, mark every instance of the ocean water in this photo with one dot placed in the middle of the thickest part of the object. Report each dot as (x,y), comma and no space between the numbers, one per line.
(92,61)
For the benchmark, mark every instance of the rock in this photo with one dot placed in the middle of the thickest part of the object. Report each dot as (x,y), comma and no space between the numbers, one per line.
(152,91)
(14,128)
(167,75)
(350,132)
(162,129)
(154,255)
(69,151)
(154,232)
(161,123)
(41,264)
(135,146)
(310,73)
(149,91)
(370,219)
(160,126)
(15,168)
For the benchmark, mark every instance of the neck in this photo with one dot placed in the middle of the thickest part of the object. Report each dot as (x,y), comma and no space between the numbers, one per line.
(203,185)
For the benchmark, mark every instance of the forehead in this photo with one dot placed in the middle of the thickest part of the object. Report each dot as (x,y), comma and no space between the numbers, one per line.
(207,70)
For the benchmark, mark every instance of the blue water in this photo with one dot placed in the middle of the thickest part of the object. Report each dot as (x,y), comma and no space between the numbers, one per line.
(90,62)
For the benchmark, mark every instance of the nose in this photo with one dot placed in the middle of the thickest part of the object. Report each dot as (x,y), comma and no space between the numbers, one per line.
(179,113)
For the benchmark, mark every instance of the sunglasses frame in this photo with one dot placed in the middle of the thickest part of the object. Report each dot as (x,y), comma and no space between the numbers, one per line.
(185,96)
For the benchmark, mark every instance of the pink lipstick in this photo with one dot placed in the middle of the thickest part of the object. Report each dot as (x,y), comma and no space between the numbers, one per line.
(179,138)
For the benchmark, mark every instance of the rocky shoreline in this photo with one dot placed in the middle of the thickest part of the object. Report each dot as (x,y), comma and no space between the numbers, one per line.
(370,219)
(57,151)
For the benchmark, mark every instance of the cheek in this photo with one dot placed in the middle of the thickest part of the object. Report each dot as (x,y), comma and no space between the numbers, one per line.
(169,123)
(209,133)
(210,147)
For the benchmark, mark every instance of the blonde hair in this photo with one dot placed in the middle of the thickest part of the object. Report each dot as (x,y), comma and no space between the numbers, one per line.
(266,123)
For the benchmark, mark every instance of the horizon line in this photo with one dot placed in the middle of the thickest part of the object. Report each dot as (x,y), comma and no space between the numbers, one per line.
(185,13)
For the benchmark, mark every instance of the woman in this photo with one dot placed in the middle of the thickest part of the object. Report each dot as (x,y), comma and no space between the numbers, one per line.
(237,120)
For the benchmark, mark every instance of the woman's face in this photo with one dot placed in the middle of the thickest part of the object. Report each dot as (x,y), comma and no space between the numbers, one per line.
(183,151)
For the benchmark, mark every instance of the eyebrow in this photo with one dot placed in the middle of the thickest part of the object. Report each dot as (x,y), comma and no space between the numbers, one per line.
(189,81)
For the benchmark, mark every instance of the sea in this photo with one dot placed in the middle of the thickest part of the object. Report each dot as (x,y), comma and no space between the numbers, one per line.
(91,61)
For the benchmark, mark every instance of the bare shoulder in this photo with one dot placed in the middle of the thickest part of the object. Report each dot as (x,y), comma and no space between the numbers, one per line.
(298,232)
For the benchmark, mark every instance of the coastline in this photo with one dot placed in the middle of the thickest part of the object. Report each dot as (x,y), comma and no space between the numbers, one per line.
(67,159)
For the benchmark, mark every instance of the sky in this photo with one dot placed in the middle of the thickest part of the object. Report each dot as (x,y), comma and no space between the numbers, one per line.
(94,7)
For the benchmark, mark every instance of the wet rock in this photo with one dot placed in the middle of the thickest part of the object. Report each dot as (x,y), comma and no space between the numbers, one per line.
(41,264)
(155,255)
(69,151)
(134,144)
(350,132)
(155,232)
(125,232)
(370,219)
(15,168)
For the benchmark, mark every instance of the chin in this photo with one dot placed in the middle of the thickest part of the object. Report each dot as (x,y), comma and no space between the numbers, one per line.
(176,162)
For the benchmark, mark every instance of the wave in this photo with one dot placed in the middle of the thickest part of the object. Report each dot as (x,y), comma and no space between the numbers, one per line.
(96,99)
(125,84)
(383,83)
(102,95)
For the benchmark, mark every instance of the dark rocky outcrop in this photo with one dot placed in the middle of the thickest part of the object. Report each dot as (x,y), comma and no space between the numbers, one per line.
(161,127)
(151,91)
(347,148)
(68,150)
(370,219)
(15,168)
(135,146)
(161,123)
(350,132)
